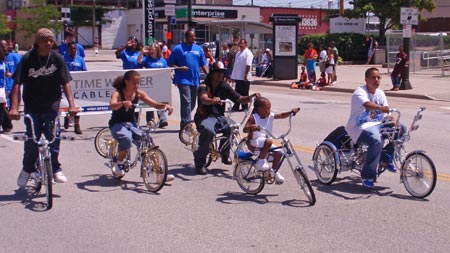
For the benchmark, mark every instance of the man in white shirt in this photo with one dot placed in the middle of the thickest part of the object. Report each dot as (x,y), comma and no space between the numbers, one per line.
(241,72)
(368,108)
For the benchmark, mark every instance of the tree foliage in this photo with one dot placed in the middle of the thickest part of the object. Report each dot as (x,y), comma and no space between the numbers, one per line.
(3,28)
(42,15)
(388,12)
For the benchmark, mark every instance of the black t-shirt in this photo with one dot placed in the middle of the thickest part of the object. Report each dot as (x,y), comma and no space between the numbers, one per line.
(122,115)
(223,91)
(42,79)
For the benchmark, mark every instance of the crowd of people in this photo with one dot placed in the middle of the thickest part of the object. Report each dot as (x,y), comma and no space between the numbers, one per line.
(45,75)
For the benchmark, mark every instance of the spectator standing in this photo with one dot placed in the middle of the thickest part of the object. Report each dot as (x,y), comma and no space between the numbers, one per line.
(401,66)
(129,53)
(96,46)
(5,122)
(12,61)
(208,55)
(310,57)
(69,35)
(74,62)
(233,50)
(241,72)
(43,73)
(151,57)
(323,59)
(330,65)
(166,50)
(187,58)
(371,45)
(336,61)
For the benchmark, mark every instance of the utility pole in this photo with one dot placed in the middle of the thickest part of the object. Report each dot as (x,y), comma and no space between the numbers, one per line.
(406,85)
(190,14)
(93,21)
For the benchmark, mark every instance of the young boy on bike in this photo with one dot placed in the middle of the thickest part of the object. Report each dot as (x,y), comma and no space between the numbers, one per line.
(258,140)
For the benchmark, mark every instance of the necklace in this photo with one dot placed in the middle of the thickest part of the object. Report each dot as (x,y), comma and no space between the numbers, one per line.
(39,59)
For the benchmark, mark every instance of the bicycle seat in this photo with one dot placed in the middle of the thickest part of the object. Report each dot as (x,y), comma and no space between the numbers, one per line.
(244,155)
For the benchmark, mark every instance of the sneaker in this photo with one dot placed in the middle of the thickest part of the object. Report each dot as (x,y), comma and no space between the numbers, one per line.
(163,124)
(169,178)
(368,183)
(391,167)
(59,177)
(118,171)
(262,165)
(279,179)
(395,89)
(333,83)
(226,160)
(23,178)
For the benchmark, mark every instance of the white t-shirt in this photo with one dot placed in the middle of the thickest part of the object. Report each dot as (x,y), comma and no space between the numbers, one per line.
(243,58)
(359,116)
(259,137)
(323,56)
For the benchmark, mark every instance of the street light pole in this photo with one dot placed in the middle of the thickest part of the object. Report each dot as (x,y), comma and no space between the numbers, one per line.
(406,85)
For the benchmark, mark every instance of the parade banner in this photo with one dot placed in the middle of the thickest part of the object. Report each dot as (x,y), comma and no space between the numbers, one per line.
(92,89)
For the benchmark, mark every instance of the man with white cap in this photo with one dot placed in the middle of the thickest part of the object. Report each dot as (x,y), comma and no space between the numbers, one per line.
(43,74)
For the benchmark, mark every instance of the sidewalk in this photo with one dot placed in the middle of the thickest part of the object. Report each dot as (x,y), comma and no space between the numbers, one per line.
(427,84)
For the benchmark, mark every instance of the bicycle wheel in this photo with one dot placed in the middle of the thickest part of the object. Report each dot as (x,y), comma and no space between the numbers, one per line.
(154,169)
(100,141)
(325,165)
(187,133)
(48,182)
(249,178)
(305,185)
(419,174)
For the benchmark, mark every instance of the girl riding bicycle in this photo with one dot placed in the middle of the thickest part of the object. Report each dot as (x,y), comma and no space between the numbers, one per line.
(123,120)
(257,140)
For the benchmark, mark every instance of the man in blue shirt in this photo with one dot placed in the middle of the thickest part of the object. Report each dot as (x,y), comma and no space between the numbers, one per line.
(11,61)
(187,58)
(74,62)
(69,35)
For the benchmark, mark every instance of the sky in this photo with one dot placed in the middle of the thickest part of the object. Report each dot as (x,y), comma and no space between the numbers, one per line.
(293,3)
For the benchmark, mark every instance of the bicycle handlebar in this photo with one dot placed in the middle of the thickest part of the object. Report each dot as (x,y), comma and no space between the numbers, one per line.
(33,132)
(282,135)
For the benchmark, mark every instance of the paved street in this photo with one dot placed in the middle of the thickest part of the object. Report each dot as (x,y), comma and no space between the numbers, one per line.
(95,213)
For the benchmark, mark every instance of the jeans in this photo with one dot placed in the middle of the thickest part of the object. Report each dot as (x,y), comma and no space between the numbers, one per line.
(372,138)
(162,115)
(242,87)
(375,152)
(396,81)
(209,127)
(44,123)
(188,99)
(125,134)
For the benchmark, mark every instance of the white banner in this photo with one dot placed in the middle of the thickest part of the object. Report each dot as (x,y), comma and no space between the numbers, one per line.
(92,89)
(345,25)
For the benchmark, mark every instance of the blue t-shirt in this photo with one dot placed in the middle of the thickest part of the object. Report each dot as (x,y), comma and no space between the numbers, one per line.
(11,61)
(63,49)
(190,56)
(75,63)
(2,74)
(149,62)
(129,59)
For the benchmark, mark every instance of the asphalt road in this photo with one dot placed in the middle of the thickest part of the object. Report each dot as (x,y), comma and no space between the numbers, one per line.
(95,213)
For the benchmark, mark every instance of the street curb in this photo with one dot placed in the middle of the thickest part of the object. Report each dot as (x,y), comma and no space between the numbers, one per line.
(347,90)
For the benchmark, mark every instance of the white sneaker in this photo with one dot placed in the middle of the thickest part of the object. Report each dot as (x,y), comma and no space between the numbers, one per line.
(23,178)
(279,179)
(262,165)
(59,177)
(118,171)
(169,178)
(334,83)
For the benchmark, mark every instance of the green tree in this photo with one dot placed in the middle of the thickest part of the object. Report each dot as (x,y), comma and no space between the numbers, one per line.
(42,15)
(3,28)
(388,12)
